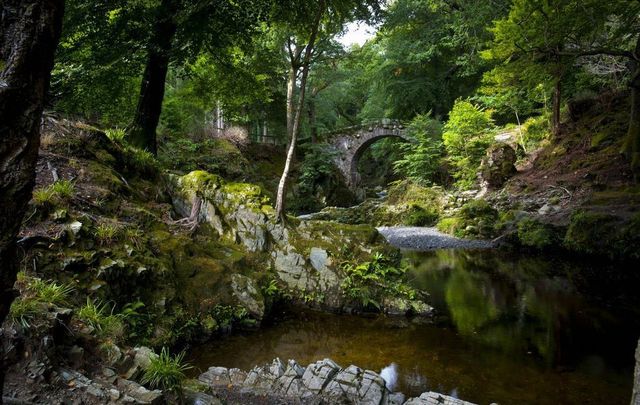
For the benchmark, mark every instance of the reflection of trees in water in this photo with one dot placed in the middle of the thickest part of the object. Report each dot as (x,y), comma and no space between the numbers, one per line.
(509,304)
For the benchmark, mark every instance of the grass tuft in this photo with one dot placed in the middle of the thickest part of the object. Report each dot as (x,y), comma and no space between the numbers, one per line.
(166,372)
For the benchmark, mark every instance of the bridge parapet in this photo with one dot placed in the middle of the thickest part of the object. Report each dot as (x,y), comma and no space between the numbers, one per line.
(370,125)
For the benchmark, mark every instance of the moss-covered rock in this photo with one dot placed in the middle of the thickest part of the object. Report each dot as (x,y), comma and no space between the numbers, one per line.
(604,234)
(535,234)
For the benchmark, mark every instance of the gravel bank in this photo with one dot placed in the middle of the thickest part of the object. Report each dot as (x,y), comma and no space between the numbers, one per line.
(417,238)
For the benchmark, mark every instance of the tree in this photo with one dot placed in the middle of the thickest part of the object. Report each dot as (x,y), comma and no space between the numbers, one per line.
(429,55)
(553,35)
(195,26)
(29,31)
(466,137)
(421,160)
(100,58)
(309,23)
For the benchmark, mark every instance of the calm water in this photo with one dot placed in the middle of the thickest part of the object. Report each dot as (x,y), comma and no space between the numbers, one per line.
(523,330)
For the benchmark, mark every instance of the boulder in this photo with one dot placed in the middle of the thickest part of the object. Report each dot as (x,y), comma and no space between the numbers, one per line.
(498,166)
(136,361)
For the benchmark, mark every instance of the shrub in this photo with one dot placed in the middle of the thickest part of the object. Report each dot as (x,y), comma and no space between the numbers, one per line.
(165,371)
(370,281)
(466,137)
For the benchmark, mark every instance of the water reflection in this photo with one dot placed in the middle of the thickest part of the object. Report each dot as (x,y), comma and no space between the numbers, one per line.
(529,305)
(515,330)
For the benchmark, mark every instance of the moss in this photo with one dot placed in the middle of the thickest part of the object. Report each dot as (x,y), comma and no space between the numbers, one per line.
(590,232)
(201,181)
(451,225)
(105,176)
(418,216)
(532,233)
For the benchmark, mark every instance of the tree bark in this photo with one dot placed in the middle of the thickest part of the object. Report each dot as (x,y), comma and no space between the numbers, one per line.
(282,185)
(30,30)
(142,132)
(291,90)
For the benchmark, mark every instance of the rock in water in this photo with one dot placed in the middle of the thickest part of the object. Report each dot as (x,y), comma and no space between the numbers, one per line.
(390,376)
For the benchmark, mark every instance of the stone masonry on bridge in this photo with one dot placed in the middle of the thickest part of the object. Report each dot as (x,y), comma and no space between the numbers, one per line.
(352,142)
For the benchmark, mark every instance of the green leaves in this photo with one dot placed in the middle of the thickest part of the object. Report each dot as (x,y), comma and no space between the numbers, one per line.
(166,371)
(421,160)
(466,137)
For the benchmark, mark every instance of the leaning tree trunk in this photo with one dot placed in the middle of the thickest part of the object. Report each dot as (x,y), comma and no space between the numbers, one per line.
(142,132)
(30,30)
(282,185)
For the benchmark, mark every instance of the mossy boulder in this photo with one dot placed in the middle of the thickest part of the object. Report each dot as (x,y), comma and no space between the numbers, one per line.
(498,165)
(535,234)
(475,219)
(604,234)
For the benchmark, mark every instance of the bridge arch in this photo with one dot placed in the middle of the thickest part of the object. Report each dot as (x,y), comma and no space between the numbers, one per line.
(351,143)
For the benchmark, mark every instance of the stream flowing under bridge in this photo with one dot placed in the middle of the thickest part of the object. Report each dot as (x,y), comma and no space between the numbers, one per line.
(350,143)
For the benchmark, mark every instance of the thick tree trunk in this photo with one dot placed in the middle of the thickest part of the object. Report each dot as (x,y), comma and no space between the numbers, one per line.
(30,30)
(557,103)
(142,132)
(282,185)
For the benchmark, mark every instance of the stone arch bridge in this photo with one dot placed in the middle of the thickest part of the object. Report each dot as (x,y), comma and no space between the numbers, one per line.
(350,143)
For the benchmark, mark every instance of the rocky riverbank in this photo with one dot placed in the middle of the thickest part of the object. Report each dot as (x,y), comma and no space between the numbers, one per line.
(322,382)
(423,239)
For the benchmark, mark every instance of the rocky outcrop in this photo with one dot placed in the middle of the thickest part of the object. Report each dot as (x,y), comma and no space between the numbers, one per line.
(498,166)
(305,257)
(322,382)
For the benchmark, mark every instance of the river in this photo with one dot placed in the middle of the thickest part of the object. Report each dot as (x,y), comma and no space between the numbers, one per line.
(511,329)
